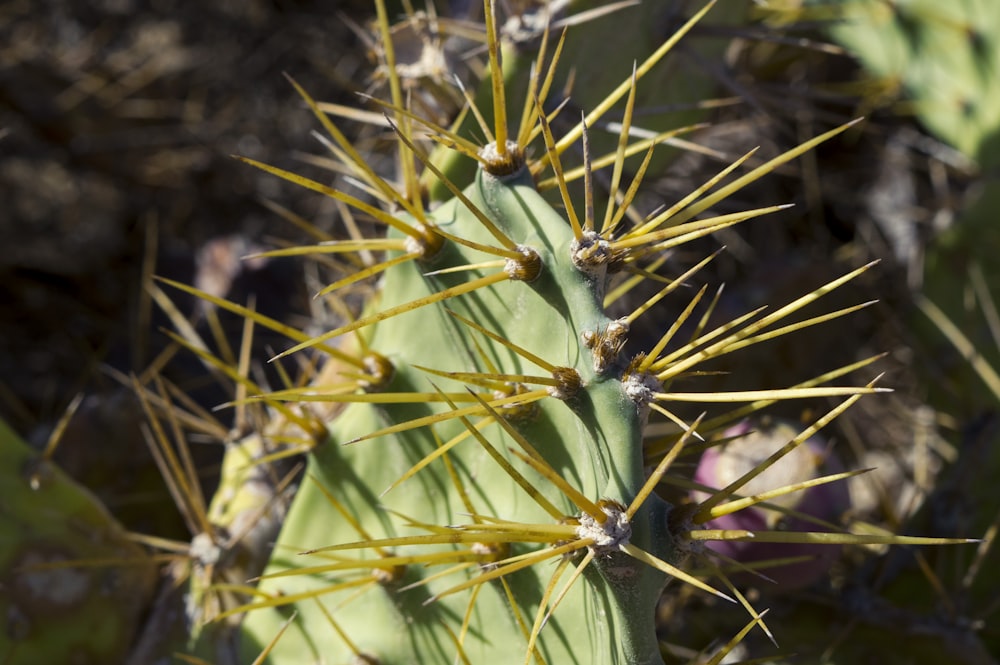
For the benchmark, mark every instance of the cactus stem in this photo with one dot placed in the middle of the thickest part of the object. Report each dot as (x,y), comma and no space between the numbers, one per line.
(287,599)
(515,564)
(514,474)
(564,382)
(519,350)
(358,656)
(593,510)
(388,569)
(585,497)
(511,253)
(441,451)
(541,616)
(577,572)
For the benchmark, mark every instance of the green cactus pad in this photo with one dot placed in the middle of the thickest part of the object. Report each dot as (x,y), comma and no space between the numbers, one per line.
(593,440)
(55,611)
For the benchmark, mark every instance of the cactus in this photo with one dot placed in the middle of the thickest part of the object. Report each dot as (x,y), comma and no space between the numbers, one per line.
(487,494)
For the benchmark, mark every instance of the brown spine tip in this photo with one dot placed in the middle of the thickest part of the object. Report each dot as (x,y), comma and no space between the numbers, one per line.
(516,411)
(379,368)
(498,164)
(389,576)
(527,267)
(428,244)
(591,253)
(570,383)
(606,345)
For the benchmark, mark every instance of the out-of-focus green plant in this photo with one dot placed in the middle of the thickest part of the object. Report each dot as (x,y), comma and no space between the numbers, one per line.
(72,582)
(943,56)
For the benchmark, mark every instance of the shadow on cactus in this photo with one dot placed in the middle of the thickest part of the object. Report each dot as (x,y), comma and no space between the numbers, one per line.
(483,457)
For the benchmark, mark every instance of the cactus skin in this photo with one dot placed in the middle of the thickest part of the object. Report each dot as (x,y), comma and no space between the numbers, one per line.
(601,455)
(85,613)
